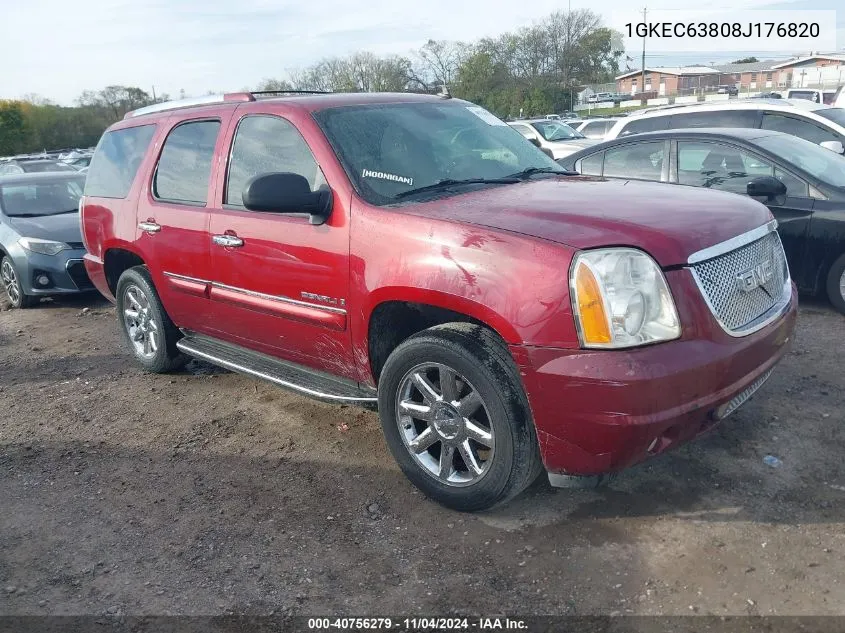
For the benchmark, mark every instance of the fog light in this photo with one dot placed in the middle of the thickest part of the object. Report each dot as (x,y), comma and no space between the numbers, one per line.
(42,280)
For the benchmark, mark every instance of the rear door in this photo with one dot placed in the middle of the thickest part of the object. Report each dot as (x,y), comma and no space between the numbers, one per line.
(727,167)
(173,217)
(279,283)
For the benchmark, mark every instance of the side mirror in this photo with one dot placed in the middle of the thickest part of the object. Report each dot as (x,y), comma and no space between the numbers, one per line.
(285,192)
(765,187)
(533,140)
(833,146)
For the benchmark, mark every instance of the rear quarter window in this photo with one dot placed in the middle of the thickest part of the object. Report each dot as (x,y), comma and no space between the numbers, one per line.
(116,160)
(650,124)
(591,165)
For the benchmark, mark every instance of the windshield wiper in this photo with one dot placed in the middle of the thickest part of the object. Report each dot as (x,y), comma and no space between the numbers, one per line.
(525,174)
(449,182)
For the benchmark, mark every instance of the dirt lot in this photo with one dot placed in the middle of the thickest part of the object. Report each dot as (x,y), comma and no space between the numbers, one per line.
(207,492)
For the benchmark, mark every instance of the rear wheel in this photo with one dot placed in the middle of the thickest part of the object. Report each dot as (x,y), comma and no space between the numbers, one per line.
(456,419)
(146,329)
(12,285)
(836,284)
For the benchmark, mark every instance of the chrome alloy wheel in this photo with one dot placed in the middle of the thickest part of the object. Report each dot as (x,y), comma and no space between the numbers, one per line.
(842,285)
(138,319)
(10,282)
(445,424)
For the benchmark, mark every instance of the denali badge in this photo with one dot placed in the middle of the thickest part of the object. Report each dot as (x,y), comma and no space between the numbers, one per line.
(755,277)
(323,299)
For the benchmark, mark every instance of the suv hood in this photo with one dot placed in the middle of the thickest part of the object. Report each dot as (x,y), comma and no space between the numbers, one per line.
(61,228)
(670,222)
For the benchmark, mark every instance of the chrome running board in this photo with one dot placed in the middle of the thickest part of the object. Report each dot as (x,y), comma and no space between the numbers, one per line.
(283,373)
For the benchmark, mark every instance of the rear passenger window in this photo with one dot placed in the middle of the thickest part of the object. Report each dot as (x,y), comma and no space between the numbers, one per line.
(184,167)
(650,124)
(635,160)
(797,127)
(591,165)
(715,118)
(264,145)
(116,161)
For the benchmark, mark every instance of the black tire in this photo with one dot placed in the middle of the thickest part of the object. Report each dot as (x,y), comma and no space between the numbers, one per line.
(17,298)
(483,364)
(834,289)
(165,357)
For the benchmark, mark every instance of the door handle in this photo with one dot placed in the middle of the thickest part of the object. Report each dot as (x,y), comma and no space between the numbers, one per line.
(149,227)
(231,241)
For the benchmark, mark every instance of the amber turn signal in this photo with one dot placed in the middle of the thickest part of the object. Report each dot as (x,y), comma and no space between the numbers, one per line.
(595,328)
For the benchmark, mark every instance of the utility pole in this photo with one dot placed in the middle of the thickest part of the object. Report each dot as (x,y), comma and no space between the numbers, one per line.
(645,11)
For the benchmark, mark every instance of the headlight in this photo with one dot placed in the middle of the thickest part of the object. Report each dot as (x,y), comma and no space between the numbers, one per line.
(620,299)
(45,247)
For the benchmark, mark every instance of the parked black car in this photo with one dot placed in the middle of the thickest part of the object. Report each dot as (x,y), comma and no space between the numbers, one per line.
(802,183)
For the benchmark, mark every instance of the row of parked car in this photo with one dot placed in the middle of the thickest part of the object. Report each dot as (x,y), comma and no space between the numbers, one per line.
(63,160)
(415,254)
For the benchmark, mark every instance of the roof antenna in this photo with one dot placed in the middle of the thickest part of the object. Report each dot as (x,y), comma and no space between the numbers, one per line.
(444,92)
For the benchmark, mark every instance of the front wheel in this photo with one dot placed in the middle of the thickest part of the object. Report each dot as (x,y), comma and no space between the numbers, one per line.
(836,284)
(456,418)
(13,287)
(145,327)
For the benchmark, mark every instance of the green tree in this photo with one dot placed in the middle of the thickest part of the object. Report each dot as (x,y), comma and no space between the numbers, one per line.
(14,129)
(745,60)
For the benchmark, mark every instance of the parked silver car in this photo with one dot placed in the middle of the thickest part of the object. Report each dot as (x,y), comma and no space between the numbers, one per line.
(40,241)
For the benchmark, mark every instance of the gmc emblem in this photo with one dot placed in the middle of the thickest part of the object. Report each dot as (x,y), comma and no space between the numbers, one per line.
(754,278)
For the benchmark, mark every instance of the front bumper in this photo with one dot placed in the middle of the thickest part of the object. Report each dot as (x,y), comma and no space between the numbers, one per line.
(65,272)
(599,411)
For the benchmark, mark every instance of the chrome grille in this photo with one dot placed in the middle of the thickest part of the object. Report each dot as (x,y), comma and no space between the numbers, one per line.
(738,309)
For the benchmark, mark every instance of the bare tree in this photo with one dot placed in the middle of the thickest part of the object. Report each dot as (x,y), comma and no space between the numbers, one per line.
(439,61)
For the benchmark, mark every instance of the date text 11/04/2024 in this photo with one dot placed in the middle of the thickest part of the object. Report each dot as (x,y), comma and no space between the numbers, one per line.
(417,624)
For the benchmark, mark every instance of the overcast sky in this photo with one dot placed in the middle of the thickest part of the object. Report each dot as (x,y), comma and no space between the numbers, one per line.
(58,48)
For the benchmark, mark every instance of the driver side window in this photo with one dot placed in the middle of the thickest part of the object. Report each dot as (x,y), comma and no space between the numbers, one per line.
(267,144)
(728,168)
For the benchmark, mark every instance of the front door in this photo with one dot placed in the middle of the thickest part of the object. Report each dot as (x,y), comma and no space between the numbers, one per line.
(279,283)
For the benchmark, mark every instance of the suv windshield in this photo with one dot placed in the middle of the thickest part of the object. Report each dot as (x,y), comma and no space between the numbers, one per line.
(815,160)
(388,149)
(45,197)
(554,131)
(837,115)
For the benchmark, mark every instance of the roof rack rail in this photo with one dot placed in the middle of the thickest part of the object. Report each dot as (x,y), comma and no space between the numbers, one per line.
(289,92)
(269,94)
(187,103)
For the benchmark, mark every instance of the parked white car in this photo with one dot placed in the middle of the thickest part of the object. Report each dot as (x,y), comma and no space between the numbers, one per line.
(824,97)
(814,122)
(556,139)
(596,128)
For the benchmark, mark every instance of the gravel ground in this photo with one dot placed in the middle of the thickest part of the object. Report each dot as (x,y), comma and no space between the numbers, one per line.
(206,492)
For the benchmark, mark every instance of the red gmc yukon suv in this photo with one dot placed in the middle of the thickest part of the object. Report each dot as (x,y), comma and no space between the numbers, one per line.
(416,254)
